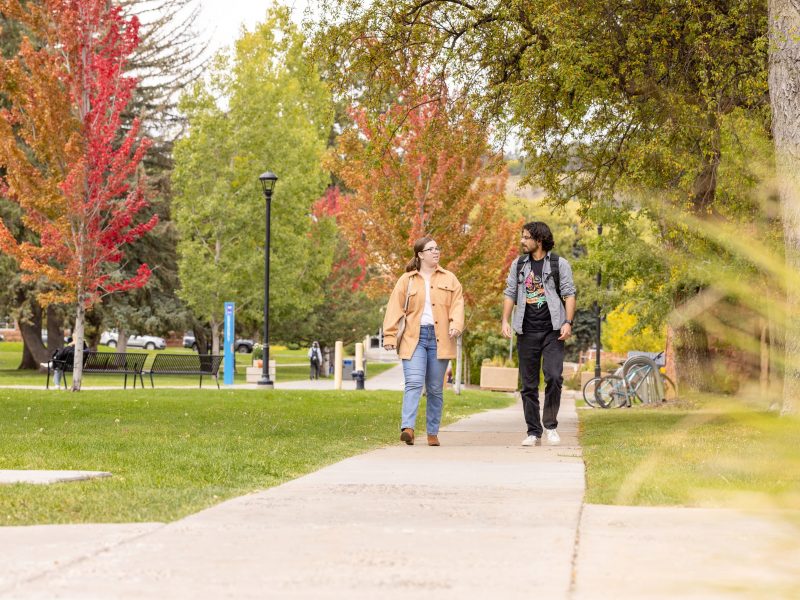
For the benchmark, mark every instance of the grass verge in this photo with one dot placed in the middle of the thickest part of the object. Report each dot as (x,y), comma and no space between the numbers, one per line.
(717,453)
(174,452)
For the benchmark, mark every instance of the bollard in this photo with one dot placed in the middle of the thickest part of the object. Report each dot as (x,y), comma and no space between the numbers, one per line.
(359,364)
(358,376)
(337,365)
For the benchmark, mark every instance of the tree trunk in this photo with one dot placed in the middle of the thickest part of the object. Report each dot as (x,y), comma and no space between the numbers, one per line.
(34,351)
(784,85)
(776,365)
(214,337)
(77,337)
(670,367)
(763,379)
(200,338)
(91,328)
(122,339)
(693,356)
(28,360)
(55,329)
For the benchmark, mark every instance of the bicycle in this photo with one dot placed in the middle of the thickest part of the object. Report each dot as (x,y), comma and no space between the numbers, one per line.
(638,379)
(590,393)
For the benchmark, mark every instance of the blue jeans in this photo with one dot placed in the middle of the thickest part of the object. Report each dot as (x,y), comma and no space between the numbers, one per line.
(424,368)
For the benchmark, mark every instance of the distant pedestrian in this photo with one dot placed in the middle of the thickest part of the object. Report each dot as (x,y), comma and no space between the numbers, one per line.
(61,358)
(543,313)
(429,301)
(315,360)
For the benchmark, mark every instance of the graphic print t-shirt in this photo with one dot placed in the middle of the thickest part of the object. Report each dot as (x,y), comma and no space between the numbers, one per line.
(537,314)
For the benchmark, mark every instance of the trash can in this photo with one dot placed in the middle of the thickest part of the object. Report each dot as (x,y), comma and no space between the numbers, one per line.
(348,366)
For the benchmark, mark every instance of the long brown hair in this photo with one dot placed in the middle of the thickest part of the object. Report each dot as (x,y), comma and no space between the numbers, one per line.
(419,246)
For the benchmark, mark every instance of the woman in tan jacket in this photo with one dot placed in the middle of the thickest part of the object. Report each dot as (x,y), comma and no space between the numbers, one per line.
(431,300)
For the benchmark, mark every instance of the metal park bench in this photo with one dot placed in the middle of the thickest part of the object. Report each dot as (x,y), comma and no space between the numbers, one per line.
(186,364)
(123,363)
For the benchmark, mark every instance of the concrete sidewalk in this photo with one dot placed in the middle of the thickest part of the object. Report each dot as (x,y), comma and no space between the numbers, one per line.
(479,517)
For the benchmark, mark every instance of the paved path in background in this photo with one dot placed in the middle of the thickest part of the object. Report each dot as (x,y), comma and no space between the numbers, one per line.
(391,379)
(479,517)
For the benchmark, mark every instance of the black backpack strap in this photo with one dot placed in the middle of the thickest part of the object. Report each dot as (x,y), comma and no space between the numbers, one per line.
(520,266)
(554,271)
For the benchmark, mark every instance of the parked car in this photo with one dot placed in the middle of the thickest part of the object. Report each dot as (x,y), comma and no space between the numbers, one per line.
(44,337)
(149,342)
(241,345)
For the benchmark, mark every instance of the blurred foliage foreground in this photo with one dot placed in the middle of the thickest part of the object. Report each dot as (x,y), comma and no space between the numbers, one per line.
(707,451)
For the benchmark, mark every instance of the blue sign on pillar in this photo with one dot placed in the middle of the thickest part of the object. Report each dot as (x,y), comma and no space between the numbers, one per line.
(228,341)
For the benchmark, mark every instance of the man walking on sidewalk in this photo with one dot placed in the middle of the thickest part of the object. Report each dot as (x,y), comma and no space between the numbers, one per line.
(541,288)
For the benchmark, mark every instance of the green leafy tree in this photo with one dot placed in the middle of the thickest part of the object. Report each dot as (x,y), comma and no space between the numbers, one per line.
(263,108)
(616,104)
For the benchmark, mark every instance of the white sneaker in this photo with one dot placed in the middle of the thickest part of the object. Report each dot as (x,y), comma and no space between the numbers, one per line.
(552,437)
(532,440)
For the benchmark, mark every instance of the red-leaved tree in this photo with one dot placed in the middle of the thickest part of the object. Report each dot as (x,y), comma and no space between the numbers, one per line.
(416,169)
(68,163)
(349,267)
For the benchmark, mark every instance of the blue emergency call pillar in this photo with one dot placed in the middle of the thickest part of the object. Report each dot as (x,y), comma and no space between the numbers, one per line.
(228,336)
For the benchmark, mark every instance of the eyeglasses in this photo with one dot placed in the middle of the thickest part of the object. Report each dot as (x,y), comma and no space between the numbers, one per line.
(526,237)
(434,249)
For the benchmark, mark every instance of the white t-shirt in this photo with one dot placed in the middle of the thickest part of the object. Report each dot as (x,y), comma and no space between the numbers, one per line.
(427,313)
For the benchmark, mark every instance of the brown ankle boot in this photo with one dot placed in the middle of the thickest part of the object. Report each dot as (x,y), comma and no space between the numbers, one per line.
(407,436)
(433,440)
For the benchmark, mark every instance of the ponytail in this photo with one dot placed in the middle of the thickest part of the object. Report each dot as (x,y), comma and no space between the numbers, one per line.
(413,264)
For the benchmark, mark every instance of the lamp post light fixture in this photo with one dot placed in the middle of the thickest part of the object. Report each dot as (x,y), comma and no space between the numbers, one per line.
(267,180)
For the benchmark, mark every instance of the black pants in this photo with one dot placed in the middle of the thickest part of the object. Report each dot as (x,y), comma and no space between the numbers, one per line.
(541,350)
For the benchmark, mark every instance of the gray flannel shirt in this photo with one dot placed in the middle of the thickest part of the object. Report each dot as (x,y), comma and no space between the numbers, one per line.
(516,291)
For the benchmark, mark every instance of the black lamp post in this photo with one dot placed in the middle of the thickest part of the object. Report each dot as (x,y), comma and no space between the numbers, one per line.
(597,318)
(267,180)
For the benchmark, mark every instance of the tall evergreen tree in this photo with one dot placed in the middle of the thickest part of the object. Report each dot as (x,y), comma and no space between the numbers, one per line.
(168,59)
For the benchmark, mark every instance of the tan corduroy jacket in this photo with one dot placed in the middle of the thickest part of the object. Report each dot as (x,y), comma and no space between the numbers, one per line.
(447,302)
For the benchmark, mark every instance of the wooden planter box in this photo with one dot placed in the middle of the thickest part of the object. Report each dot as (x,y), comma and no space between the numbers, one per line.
(253,374)
(499,378)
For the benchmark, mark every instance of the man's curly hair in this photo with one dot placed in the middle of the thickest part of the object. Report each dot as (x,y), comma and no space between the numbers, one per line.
(541,233)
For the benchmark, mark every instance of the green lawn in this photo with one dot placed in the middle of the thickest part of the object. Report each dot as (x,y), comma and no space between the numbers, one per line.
(174,452)
(11,355)
(719,453)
